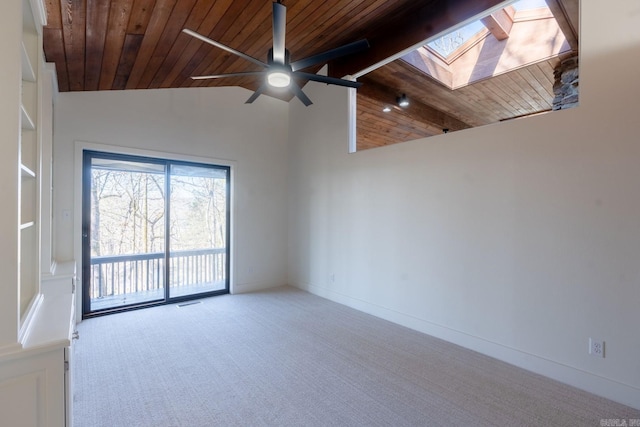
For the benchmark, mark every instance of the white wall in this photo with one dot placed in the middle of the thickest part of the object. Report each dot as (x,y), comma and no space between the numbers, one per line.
(520,240)
(203,123)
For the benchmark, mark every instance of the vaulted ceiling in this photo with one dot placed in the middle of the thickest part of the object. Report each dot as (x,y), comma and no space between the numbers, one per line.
(139,44)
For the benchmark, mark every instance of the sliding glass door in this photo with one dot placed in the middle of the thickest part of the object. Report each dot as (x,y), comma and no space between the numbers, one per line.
(198,229)
(154,231)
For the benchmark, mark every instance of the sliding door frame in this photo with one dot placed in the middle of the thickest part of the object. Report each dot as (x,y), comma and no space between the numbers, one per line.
(86,182)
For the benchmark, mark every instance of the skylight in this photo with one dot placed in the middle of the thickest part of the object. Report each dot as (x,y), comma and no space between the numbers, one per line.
(529,4)
(448,43)
(522,33)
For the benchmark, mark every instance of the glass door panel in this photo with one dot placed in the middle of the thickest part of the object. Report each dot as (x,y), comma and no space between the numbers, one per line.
(125,236)
(198,229)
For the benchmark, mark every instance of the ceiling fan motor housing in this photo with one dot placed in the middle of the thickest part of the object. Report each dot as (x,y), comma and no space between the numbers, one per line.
(286,57)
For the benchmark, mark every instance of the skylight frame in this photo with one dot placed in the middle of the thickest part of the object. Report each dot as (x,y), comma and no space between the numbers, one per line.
(481,33)
(416,46)
(454,71)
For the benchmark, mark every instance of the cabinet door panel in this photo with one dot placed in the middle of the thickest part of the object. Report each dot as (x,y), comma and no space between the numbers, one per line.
(21,400)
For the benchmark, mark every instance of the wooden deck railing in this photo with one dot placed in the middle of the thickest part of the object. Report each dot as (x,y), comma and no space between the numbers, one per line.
(127,274)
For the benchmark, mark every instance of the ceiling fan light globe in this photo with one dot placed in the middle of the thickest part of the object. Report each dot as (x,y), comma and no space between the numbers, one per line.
(278,79)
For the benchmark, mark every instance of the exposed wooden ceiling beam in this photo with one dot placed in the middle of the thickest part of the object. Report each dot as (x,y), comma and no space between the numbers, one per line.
(409,29)
(500,23)
(417,110)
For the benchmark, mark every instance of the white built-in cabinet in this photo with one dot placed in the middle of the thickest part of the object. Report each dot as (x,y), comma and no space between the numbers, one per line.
(36,294)
(29,147)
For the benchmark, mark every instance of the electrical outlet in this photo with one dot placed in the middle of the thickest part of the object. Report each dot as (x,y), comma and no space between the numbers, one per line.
(596,347)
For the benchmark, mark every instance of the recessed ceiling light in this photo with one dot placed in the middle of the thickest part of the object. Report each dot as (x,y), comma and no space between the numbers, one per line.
(403,101)
(386,109)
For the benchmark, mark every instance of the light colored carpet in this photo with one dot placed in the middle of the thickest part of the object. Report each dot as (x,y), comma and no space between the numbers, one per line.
(288,358)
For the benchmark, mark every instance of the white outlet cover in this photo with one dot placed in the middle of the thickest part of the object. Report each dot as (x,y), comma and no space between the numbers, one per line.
(596,347)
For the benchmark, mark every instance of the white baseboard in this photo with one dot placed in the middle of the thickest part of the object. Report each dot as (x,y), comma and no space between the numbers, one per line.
(598,385)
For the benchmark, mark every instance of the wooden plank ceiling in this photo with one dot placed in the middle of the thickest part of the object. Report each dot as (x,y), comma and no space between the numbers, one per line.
(514,94)
(138,44)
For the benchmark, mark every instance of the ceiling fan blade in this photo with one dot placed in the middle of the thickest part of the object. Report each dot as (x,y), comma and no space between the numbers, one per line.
(257,93)
(219,76)
(279,29)
(223,47)
(324,57)
(328,80)
(300,94)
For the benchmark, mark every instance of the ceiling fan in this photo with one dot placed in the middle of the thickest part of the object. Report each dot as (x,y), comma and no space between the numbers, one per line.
(278,70)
